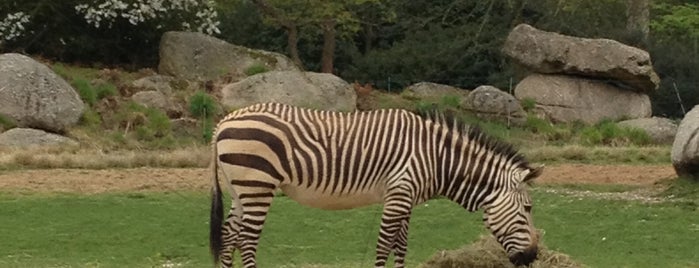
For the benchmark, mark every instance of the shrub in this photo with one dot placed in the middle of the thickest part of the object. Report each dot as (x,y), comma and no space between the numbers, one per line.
(87,94)
(256,68)
(538,125)
(450,101)
(90,118)
(6,122)
(528,104)
(105,90)
(148,123)
(201,105)
(607,132)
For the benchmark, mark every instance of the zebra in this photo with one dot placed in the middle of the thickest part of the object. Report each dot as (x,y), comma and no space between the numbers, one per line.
(335,160)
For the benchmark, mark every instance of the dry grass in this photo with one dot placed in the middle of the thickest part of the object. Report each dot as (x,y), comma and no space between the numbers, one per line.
(488,253)
(76,157)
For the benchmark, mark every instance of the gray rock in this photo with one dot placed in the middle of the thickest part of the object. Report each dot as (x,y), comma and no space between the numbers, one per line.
(155,82)
(305,89)
(431,90)
(567,99)
(491,103)
(547,52)
(152,99)
(28,137)
(196,56)
(34,96)
(661,130)
(685,148)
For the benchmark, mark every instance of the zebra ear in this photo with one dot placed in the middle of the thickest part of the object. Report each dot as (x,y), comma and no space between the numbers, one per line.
(534,172)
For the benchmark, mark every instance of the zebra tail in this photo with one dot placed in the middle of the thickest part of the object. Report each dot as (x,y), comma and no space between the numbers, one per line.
(216,215)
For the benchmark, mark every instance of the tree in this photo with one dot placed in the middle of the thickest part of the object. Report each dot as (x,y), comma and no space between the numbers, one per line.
(307,18)
(638,19)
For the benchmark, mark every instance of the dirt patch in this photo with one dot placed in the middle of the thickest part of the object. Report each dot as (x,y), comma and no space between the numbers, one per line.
(198,179)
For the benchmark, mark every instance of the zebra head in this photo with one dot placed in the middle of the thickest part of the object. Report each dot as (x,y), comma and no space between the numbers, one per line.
(509,218)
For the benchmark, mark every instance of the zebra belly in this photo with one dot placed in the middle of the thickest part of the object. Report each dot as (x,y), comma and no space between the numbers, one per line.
(316,199)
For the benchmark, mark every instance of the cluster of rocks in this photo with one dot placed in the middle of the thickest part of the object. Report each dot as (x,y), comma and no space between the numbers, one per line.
(37,101)
(581,79)
(572,79)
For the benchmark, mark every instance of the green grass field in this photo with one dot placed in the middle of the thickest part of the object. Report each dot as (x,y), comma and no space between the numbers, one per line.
(170,230)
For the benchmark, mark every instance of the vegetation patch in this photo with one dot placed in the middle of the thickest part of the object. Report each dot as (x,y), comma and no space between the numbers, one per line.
(256,68)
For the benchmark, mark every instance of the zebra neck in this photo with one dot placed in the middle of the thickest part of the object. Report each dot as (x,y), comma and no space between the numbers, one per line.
(472,180)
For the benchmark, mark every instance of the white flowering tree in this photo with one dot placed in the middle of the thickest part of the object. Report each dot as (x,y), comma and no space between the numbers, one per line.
(12,26)
(184,14)
(107,31)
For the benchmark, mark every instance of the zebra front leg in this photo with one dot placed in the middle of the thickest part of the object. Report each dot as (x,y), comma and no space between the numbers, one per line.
(400,247)
(396,215)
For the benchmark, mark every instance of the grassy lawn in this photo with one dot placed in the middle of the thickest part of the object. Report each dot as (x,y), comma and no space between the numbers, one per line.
(167,229)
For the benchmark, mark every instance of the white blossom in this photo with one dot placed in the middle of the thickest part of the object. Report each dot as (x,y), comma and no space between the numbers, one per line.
(197,14)
(12,26)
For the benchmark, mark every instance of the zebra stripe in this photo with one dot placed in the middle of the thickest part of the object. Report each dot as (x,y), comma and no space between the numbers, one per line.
(337,160)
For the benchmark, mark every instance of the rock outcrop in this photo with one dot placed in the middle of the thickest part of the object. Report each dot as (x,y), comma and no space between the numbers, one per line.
(34,96)
(491,103)
(581,79)
(685,148)
(305,89)
(196,56)
(432,90)
(28,137)
(661,130)
(566,99)
(553,53)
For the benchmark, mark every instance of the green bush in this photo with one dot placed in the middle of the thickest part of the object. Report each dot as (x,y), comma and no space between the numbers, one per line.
(105,90)
(256,68)
(450,101)
(201,105)
(528,104)
(609,133)
(538,125)
(6,122)
(208,126)
(149,124)
(90,118)
(87,94)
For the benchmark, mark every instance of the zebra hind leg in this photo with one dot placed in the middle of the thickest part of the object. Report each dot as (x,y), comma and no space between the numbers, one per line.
(230,232)
(394,232)
(255,208)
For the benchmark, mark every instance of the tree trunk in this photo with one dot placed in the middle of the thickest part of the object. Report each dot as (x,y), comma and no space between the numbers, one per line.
(326,61)
(638,19)
(292,42)
(290,26)
(368,37)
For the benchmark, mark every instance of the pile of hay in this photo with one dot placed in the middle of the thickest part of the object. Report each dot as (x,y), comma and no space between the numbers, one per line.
(488,253)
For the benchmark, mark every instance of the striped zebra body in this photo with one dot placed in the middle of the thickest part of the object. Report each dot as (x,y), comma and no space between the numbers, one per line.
(333,160)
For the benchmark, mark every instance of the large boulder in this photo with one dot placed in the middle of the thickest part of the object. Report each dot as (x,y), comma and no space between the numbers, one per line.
(196,56)
(28,137)
(567,99)
(547,52)
(685,148)
(661,130)
(306,89)
(423,90)
(33,95)
(491,103)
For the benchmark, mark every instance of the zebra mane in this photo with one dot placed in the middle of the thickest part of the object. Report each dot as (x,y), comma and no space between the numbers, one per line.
(475,133)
